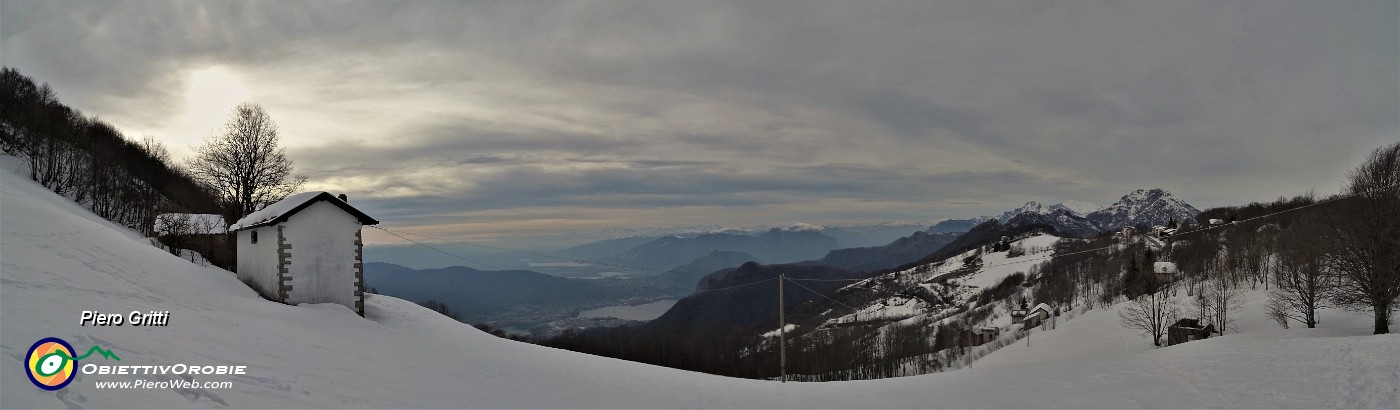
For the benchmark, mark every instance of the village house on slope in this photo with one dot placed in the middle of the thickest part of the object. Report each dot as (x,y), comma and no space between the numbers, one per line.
(1165,272)
(1031,317)
(979,336)
(304,249)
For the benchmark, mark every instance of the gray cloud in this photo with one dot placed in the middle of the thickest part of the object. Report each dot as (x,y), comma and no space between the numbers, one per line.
(720,112)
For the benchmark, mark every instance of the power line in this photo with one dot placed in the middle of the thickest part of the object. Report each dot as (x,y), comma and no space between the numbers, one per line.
(830,280)
(732,287)
(1294,209)
(436,249)
(827,298)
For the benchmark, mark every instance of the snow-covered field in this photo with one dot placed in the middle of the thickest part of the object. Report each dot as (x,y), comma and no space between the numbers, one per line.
(57,260)
(997,266)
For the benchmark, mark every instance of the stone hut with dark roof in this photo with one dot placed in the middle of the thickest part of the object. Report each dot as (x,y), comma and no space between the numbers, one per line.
(1186,330)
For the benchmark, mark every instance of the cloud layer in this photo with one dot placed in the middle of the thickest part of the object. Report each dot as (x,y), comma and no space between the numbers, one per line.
(504,118)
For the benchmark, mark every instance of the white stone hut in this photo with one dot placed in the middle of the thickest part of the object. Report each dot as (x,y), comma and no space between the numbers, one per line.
(304,249)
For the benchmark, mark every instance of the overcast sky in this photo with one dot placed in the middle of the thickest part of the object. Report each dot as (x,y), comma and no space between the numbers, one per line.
(489,119)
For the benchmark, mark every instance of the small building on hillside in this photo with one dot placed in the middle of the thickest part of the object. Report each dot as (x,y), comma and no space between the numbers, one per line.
(1033,316)
(204,234)
(1019,315)
(189,224)
(304,249)
(1165,271)
(979,336)
(1037,315)
(1186,330)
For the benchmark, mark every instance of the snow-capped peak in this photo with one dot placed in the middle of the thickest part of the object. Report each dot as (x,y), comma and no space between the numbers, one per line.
(800,226)
(1074,207)
(1031,207)
(1154,206)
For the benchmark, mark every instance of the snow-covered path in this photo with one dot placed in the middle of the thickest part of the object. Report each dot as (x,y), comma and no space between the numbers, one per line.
(57,260)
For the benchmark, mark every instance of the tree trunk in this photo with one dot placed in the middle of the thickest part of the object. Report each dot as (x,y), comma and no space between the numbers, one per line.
(1382,320)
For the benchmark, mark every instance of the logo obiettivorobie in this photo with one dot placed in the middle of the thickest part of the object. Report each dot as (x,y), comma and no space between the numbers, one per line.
(51,362)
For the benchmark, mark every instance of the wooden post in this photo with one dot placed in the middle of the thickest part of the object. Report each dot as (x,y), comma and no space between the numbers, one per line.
(782,333)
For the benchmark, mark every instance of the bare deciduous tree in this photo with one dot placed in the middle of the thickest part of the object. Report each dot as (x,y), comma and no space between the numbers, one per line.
(155,149)
(1201,303)
(1303,283)
(1364,240)
(1224,300)
(1150,313)
(243,163)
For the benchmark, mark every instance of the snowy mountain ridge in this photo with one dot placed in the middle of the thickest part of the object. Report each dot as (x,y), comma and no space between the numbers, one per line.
(1152,206)
(1038,208)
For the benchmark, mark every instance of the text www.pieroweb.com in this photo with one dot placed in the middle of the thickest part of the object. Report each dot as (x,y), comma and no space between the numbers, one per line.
(165,384)
(182,376)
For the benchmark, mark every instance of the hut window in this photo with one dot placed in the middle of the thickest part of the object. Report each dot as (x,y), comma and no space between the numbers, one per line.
(255,236)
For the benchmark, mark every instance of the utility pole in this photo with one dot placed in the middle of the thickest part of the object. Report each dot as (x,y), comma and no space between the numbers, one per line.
(782,333)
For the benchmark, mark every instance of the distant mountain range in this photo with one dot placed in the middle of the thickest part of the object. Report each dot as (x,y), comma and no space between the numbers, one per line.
(605,248)
(743,307)
(871,235)
(690,277)
(715,259)
(955,225)
(775,245)
(899,252)
(479,296)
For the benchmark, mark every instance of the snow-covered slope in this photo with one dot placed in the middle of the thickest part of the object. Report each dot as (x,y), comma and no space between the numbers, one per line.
(1098,333)
(57,260)
(950,280)
(1254,340)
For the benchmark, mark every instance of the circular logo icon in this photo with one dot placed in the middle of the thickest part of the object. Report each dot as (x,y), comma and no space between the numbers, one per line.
(51,363)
